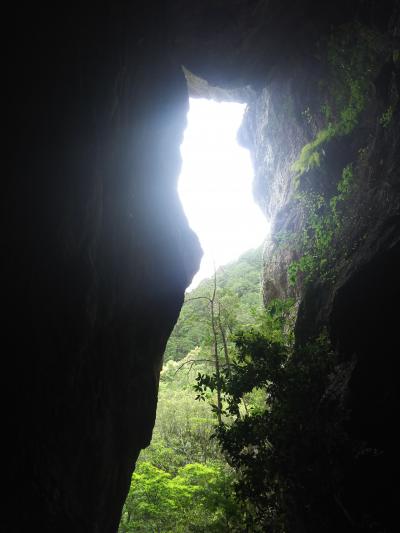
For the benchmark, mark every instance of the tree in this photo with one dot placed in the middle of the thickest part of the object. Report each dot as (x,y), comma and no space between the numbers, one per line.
(184,468)
(183,425)
(221,319)
(199,498)
(239,295)
(283,450)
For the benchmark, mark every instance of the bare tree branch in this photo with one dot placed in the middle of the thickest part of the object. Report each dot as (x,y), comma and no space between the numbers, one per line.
(198,298)
(193,361)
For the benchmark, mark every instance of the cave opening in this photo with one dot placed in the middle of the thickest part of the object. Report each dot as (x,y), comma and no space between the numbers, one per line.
(216,190)
(215,185)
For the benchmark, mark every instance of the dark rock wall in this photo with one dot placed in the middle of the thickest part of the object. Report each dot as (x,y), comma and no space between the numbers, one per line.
(97,254)
(356,295)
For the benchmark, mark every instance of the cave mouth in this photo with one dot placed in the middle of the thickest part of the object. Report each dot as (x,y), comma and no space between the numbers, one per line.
(215,184)
(215,187)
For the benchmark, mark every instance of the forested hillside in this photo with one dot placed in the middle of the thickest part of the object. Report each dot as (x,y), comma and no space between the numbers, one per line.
(239,297)
(239,407)
(244,422)
(182,481)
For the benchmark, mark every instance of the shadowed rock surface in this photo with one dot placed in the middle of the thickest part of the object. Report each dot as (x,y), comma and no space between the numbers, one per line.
(98,253)
(97,250)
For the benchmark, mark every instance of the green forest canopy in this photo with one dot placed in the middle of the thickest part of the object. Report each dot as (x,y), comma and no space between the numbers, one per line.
(182,482)
(242,428)
(239,290)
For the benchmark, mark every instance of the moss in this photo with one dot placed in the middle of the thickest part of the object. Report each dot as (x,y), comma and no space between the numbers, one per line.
(310,155)
(326,111)
(324,220)
(345,184)
(353,54)
(386,117)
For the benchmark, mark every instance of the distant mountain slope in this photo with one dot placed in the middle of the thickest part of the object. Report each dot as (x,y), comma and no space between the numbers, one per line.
(238,286)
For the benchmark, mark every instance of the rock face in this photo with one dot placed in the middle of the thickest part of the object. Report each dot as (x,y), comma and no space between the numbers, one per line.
(97,255)
(98,251)
(322,126)
(325,141)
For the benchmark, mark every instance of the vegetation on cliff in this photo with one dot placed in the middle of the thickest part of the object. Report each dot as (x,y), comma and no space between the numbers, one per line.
(347,108)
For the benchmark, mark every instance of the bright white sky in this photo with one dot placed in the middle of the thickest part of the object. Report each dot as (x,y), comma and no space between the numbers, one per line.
(215,185)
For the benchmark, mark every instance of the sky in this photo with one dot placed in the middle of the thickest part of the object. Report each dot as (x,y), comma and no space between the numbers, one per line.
(215,185)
